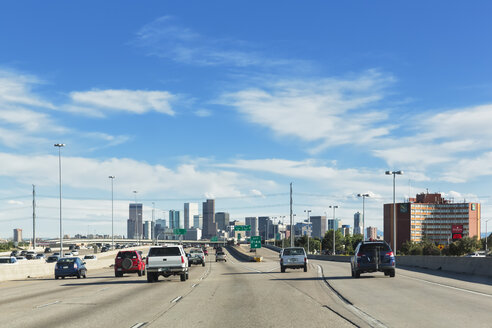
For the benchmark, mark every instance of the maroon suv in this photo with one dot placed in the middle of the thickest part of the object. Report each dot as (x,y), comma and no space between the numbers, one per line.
(129,262)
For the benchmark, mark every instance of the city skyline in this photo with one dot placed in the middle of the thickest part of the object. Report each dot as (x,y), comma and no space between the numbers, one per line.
(184,103)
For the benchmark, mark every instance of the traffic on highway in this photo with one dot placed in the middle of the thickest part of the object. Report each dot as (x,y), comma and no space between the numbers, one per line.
(156,286)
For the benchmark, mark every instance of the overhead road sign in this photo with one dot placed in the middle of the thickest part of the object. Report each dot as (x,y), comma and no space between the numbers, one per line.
(242,228)
(180,231)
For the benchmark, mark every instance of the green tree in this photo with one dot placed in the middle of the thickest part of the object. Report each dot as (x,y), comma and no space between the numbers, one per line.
(327,242)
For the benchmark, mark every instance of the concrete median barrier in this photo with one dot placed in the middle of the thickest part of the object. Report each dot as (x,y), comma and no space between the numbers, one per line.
(239,255)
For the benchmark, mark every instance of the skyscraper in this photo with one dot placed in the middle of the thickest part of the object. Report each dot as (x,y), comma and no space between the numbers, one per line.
(17,235)
(265,227)
(209,224)
(198,221)
(319,226)
(253,222)
(222,219)
(190,210)
(372,233)
(174,220)
(134,224)
(357,224)
(334,224)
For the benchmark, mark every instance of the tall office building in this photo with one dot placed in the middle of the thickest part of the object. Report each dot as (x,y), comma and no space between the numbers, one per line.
(134,224)
(209,224)
(17,235)
(198,221)
(265,227)
(432,217)
(147,230)
(190,210)
(357,224)
(175,221)
(222,219)
(372,233)
(346,230)
(334,224)
(319,226)
(253,222)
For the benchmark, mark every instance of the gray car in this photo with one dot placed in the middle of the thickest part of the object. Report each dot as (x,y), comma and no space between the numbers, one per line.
(373,256)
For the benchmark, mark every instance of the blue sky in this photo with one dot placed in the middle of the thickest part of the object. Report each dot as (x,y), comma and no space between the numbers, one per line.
(236,100)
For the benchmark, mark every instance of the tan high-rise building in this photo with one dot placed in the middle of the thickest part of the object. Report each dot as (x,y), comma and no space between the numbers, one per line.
(372,233)
(17,235)
(432,217)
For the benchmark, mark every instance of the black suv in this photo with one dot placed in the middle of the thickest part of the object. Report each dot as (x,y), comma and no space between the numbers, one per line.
(373,256)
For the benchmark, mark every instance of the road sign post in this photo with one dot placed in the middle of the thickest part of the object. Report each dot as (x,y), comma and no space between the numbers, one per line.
(255,242)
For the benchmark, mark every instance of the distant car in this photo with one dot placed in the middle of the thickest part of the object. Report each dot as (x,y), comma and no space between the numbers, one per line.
(205,251)
(90,257)
(8,260)
(70,267)
(129,262)
(75,253)
(23,253)
(14,253)
(104,249)
(52,258)
(196,256)
(21,258)
(220,256)
(293,258)
(40,256)
(57,254)
(68,254)
(31,255)
(47,250)
(373,256)
(476,254)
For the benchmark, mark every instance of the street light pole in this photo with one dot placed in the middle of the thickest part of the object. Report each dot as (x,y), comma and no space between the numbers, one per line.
(136,217)
(334,207)
(486,237)
(112,212)
(394,173)
(152,226)
(308,230)
(363,214)
(59,176)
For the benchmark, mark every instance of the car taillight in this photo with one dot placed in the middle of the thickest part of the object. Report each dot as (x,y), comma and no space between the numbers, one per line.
(389,254)
(305,259)
(182,259)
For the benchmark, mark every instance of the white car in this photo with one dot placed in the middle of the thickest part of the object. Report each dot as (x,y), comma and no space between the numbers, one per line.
(69,254)
(75,253)
(220,256)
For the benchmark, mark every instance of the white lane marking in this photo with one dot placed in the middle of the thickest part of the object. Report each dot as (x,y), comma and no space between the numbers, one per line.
(48,304)
(176,299)
(138,325)
(447,286)
(193,286)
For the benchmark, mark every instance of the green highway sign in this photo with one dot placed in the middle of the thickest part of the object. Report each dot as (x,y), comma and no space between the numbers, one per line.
(180,231)
(243,228)
(214,238)
(255,242)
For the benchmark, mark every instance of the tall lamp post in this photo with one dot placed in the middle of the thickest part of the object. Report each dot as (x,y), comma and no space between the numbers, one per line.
(152,226)
(59,176)
(308,230)
(363,214)
(486,237)
(136,217)
(112,212)
(394,173)
(334,207)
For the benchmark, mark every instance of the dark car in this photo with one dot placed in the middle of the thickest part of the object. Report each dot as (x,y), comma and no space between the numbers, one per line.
(14,253)
(373,256)
(47,250)
(129,262)
(40,256)
(70,267)
(52,258)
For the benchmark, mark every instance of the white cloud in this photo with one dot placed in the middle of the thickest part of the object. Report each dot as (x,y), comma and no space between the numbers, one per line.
(132,101)
(16,88)
(328,112)
(165,38)
(15,202)
(203,113)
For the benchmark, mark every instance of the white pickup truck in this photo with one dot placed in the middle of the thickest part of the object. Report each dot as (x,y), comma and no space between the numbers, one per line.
(166,261)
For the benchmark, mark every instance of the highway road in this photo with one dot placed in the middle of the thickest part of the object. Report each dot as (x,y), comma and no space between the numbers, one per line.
(243,294)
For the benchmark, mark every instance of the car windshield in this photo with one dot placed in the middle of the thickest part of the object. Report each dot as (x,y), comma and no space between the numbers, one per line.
(294,251)
(164,251)
(196,251)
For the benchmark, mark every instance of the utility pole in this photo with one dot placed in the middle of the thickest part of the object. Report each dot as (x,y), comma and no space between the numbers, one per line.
(152,226)
(33,217)
(291,220)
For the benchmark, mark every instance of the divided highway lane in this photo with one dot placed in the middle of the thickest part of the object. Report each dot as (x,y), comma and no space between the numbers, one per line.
(101,300)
